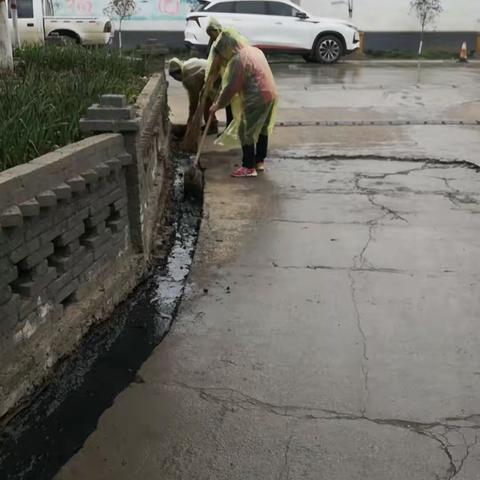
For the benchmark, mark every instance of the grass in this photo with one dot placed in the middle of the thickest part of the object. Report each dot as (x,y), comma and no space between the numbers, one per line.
(42,102)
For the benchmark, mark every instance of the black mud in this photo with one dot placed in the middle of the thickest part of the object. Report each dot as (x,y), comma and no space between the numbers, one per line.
(40,440)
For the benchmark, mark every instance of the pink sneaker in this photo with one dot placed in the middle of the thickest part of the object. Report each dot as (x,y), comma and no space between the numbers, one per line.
(244,172)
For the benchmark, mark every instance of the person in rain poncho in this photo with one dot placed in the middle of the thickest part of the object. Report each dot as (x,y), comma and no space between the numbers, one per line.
(192,75)
(248,74)
(214,30)
(216,66)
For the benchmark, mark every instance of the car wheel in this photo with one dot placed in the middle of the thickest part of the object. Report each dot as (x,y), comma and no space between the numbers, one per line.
(68,41)
(328,49)
(61,40)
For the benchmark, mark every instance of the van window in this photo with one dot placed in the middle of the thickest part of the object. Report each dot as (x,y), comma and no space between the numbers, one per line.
(253,8)
(225,7)
(49,11)
(25,8)
(281,9)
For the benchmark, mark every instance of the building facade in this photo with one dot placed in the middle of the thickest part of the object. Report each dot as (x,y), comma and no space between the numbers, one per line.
(388,24)
(391,25)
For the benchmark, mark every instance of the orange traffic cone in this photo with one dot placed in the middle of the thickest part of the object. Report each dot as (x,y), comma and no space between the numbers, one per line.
(463,53)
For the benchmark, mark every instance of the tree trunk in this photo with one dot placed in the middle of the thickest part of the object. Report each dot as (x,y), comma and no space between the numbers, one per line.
(120,45)
(6,54)
(16,32)
(420,48)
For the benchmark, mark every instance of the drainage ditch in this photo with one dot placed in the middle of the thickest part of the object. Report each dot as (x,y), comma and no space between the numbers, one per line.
(40,440)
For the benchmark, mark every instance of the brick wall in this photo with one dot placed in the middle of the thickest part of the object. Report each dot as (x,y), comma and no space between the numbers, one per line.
(76,233)
(145,128)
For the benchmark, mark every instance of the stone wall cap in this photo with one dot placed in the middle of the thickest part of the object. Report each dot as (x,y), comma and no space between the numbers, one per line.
(111,100)
(24,182)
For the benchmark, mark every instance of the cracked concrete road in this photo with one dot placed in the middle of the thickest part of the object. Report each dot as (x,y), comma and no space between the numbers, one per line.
(330,329)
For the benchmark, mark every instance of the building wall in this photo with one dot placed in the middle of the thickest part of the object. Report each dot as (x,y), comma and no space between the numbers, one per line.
(151,15)
(395,15)
(390,25)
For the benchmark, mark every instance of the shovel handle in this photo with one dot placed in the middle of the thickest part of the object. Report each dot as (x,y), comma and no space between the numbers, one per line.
(202,140)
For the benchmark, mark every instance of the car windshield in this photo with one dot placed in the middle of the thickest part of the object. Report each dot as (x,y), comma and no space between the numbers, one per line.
(200,7)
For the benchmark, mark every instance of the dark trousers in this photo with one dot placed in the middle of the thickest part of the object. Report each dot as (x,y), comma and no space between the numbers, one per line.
(253,154)
(228,111)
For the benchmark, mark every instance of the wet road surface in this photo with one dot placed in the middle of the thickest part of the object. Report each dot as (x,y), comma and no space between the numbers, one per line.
(337,341)
(330,325)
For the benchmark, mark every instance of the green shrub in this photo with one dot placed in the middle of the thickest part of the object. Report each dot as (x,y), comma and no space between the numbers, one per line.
(42,102)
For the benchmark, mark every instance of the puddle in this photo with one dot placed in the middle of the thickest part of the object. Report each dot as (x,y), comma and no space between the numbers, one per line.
(39,441)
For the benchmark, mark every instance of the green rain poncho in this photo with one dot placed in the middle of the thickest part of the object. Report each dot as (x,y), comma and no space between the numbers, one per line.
(214,26)
(249,85)
(217,67)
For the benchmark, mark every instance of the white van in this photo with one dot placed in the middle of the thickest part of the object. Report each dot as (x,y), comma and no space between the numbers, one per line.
(37,22)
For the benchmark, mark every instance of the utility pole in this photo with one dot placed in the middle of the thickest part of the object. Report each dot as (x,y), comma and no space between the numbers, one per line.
(6,54)
(16,32)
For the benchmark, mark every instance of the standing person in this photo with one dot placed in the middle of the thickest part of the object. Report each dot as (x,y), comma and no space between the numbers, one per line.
(248,74)
(192,75)
(214,30)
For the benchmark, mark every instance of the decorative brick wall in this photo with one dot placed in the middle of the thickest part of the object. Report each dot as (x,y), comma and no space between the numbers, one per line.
(145,128)
(76,234)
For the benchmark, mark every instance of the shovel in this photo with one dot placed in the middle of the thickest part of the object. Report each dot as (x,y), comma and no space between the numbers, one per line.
(193,175)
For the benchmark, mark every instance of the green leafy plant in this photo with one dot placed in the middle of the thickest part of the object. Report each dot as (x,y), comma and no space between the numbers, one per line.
(42,102)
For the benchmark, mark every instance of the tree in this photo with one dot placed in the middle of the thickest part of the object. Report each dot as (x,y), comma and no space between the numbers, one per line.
(120,9)
(6,54)
(426,11)
(16,32)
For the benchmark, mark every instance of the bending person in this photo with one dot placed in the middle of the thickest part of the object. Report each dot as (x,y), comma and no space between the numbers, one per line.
(248,74)
(192,75)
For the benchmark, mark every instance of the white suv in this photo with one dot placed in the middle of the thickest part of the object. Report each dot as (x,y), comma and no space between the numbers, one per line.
(275,25)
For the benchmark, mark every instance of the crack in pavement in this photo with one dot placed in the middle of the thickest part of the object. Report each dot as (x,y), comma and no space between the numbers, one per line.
(395,215)
(360,261)
(384,192)
(456,197)
(335,268)
(456,466)
(383,176)
(312,222)
(232,398)
(236,398)
(365,359)
(345,269)
(452,195)
(285,472)
(435,162)
(467,454)
(363,262)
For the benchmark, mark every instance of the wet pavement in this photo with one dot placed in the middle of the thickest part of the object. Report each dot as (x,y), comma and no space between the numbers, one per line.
(329,328)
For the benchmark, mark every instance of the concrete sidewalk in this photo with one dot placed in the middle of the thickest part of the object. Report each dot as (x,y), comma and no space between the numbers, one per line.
(330,328)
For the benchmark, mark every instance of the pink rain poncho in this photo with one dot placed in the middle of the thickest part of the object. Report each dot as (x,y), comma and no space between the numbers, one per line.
(249,79)
(216,65)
